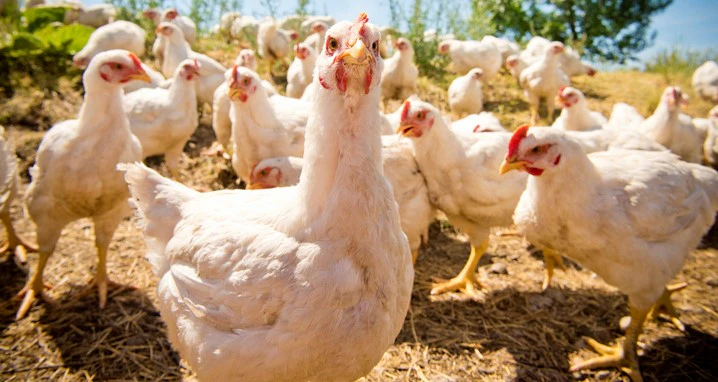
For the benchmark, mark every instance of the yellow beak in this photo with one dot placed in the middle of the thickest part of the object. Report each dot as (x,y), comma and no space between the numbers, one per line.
(405,130)
(508,166)
(234,93)
(255,186)
(356,54)
(141,76)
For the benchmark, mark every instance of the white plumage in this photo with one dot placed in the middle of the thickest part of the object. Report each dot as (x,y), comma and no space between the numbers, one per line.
(705,81)
(466,55)
(262,127)
(164,119)
(463,181)
(478,123)
(316,39)
(465,93)
(673,129)
(177,50)
(299,74)
(575,115)
(542,80)
(299,283)
(116,35)
(8,192)
(94,15)
(398,81)
(71,181)
(630,216)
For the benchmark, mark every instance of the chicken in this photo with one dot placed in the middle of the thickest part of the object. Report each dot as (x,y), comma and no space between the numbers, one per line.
(478,123)
(632,217)
(466,55)
(624,115)
(505,47)
(8,192)
(705,81)
(156,80)
(543,79)
(300,71)
(221,123)
(710,145)
(94,15)
(398,81)
(274,43)
(165,119)
(575,115)
(465,94)
(262,127)
(116,35)
(244,28)
(460,173)
(176,51)
(316,39)
(400,169)
(70,180)
(189,29)
(672,129)
(289,284)
(570,60)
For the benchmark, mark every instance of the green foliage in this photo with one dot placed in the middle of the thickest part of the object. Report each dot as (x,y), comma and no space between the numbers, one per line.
(302,7)
(679,60)
(271,6)
(612,30)
(40,49)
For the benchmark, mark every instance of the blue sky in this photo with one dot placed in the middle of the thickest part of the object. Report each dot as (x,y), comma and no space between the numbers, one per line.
(686,23)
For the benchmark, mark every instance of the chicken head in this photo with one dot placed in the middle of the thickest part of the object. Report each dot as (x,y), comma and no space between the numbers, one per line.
(533,153)
(243,83)
(120,67)
(417,118)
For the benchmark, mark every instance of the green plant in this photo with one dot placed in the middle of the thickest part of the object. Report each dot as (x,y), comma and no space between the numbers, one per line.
(679,61)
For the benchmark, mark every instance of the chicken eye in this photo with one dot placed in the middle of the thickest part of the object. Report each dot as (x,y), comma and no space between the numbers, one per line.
(117,66)
(332,45)
(537,150)
(263,172)
(421,115)
(375,46)
(246,81)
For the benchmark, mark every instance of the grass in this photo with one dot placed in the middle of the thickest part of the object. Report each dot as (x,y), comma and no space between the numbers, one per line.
(514,332)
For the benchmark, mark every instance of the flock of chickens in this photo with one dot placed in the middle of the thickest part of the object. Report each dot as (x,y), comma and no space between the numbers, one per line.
(314,262)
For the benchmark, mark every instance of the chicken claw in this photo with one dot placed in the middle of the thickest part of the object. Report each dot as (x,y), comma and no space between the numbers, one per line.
(610,356)
(665,306)
(103,284)
(466,280)
(35,287)
(552,259)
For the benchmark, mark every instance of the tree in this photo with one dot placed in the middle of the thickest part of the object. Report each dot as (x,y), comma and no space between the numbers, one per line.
(302,8)
(612,30)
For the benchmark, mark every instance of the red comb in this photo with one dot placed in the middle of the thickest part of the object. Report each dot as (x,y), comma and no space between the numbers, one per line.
(196,64)
(405,111)
(136,61)
(234,72)
(362,18)
(515,141)
(560,91)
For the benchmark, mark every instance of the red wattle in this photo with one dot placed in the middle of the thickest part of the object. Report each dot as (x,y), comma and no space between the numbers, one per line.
(367,80)
(341,79)
(324,84)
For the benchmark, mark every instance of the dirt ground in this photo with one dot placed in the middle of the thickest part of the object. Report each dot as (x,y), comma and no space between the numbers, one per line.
(515,332)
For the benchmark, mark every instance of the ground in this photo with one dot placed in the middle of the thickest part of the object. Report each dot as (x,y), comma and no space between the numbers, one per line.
(514,332)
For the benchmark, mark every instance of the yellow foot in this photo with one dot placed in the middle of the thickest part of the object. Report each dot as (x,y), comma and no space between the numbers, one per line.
(19,247)
(610,356)
(466,283)
(552,259)
(102,284)
(414,255)
(29,295)
(665,306)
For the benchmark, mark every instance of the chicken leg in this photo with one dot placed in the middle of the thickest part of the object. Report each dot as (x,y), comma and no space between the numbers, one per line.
(665,306)
(466,279)
(14,242)
(551,258)
(35,287)
(623,357)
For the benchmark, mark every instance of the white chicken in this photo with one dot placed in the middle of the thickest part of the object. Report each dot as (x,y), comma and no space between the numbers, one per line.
(221,123)
(672,129)
(466,55)
(316,39)
(299,74)
(400,168)
(165,119)
(624,115)
(478,123)
(465,93)
(705,81)
(156,80)
(8,192)
(116,35)
(542,80)
(710,145)
(398,81)
(94,15)
(630,216)
(505,47)
(189,29)
(575,115)
(274,43)
(262,127)
(570,60)
(461,176)
(177,50)
(71,181)
(290,284)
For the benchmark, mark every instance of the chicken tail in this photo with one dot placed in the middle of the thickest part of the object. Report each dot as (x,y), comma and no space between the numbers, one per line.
(157,202)
(708,179)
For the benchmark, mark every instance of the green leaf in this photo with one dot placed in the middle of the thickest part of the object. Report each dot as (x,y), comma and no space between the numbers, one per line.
(36,18)
(70,38)
(26,44)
